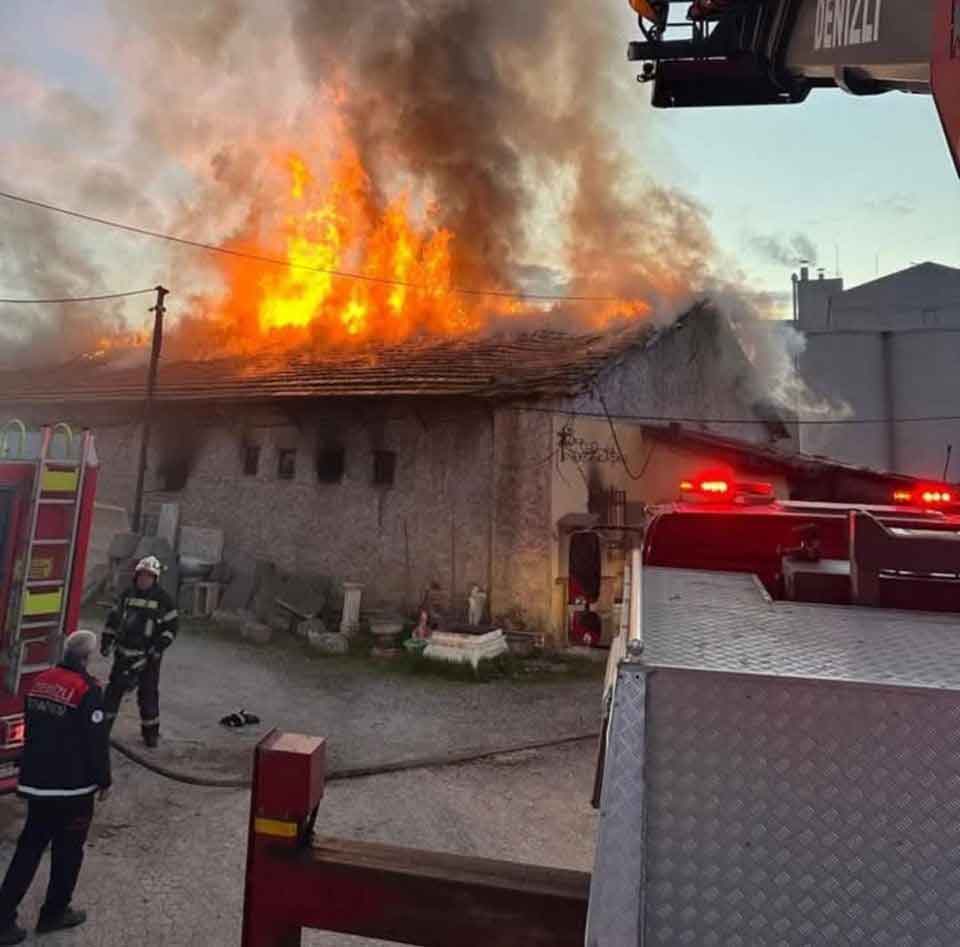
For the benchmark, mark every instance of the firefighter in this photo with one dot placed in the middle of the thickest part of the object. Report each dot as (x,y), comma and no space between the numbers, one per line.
(141,626)
(66,762)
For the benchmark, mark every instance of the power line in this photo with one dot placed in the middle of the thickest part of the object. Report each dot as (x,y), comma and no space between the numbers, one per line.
(79,299)
(677,419)
(277,261)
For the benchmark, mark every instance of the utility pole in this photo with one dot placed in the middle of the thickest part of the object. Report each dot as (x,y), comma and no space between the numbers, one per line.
(158,311)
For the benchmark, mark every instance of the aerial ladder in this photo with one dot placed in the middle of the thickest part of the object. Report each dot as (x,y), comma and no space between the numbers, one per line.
(774,52)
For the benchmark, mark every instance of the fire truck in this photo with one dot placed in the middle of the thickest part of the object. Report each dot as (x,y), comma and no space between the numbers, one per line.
(48,482)
(778,764)
(769,52)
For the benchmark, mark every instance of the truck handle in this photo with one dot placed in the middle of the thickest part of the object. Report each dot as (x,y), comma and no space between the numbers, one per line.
(5,431)
(61,427)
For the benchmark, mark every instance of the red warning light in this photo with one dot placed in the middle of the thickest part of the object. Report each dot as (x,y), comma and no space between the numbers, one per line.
(716,487)
(902,496)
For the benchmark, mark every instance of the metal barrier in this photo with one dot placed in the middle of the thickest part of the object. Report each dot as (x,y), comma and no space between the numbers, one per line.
(382,891)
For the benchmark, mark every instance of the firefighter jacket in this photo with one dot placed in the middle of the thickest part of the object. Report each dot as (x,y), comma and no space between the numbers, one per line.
(67,750)
(141,624)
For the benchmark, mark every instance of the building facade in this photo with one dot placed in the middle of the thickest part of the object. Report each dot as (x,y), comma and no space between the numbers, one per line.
(452,465)
(886,354)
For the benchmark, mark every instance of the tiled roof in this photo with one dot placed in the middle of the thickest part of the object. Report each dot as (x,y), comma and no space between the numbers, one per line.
(536,364)
(765,457)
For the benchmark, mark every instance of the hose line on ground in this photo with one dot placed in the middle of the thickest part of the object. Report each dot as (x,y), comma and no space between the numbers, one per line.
(354,772)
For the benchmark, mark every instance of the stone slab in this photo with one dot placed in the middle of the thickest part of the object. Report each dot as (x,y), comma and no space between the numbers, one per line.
(123,545)
(169,522)
(202,543)
(465,649)
(239,593)
(328,642)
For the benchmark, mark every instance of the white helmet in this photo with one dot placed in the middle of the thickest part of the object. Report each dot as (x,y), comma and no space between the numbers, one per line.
(150,564)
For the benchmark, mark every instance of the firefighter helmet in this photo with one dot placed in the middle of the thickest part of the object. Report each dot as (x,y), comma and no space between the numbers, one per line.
(151,565)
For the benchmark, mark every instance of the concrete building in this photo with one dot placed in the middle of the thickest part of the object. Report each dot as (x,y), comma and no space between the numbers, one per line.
(890,351)
(454,462)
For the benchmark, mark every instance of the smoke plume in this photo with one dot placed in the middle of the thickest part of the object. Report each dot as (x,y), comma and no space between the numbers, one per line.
(786,251)
(500,121)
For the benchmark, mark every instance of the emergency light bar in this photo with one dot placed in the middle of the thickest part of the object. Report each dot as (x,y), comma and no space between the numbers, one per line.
(925,496)
(715,488)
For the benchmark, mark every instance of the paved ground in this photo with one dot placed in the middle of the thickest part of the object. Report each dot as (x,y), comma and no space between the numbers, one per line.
(165,861)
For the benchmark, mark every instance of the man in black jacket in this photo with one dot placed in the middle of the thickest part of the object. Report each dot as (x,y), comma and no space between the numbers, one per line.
(141,626)
(66,761)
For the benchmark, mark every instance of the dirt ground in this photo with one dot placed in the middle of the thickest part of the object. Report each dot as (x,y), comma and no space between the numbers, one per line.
(165,860)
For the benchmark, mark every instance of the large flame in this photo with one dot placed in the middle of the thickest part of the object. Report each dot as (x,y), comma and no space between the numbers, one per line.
(331,225)
(401,267)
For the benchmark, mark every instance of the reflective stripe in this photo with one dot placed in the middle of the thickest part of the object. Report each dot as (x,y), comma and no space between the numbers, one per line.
(143,603)
(131,652)
(276,827)
(168,634)
(32,791)
(169,616)
(150,723)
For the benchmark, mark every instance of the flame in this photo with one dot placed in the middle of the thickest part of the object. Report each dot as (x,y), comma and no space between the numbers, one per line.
(330,220)
(331,226)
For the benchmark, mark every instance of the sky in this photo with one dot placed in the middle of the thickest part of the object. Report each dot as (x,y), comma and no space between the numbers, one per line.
(866,184)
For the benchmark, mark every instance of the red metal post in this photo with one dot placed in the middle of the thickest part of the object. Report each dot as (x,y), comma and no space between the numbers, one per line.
(384,892)
(288,778)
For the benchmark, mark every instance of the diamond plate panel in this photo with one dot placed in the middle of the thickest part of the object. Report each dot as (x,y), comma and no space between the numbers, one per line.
(790,813)
(616,887)
(725,622)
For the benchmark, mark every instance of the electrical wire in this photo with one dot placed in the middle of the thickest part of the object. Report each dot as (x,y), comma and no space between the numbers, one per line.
(616,441)
(277,261)
(78,299)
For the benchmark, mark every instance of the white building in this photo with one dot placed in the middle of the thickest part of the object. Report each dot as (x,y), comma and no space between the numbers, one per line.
(890,350)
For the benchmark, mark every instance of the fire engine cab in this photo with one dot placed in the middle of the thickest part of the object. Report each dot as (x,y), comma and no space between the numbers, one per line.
(48,482)
(816,552)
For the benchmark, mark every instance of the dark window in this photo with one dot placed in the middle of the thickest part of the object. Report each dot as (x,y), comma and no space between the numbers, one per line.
(251,460)
(330,464)
(286,464)
(173,474)
(384,467)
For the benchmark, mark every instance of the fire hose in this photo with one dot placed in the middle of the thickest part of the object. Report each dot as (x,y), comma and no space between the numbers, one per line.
(356,772)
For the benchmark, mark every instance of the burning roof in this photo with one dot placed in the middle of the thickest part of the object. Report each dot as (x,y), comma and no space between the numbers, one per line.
(543,364)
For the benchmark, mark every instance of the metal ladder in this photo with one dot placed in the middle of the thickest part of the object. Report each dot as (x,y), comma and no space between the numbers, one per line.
(37,639)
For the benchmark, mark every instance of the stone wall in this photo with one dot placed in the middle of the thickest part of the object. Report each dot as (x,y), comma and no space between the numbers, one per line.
(432,524)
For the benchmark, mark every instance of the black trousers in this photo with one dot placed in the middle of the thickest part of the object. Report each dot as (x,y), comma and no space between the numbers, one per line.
(61,822)
(147,684)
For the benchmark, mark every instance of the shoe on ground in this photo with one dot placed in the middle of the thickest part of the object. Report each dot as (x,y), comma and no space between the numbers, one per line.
(12,935)
(69,918)
(151,740)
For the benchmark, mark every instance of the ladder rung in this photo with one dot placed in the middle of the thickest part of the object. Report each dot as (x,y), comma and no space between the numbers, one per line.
(51,542)
(58,502)
(62,464)
(32,625)
(45,583)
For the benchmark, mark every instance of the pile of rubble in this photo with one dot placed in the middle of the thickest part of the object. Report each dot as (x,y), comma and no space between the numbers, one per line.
(266,600)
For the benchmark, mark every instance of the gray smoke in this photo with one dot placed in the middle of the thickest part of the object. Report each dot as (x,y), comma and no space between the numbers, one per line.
(787,251)
(503,113)
(494,104)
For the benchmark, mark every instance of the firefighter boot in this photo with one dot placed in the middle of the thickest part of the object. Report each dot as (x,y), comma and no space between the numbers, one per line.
(69,918)
(13,935)
(151,735)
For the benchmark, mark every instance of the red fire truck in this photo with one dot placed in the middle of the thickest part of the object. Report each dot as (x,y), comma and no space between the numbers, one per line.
(48,482)
(778,766)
